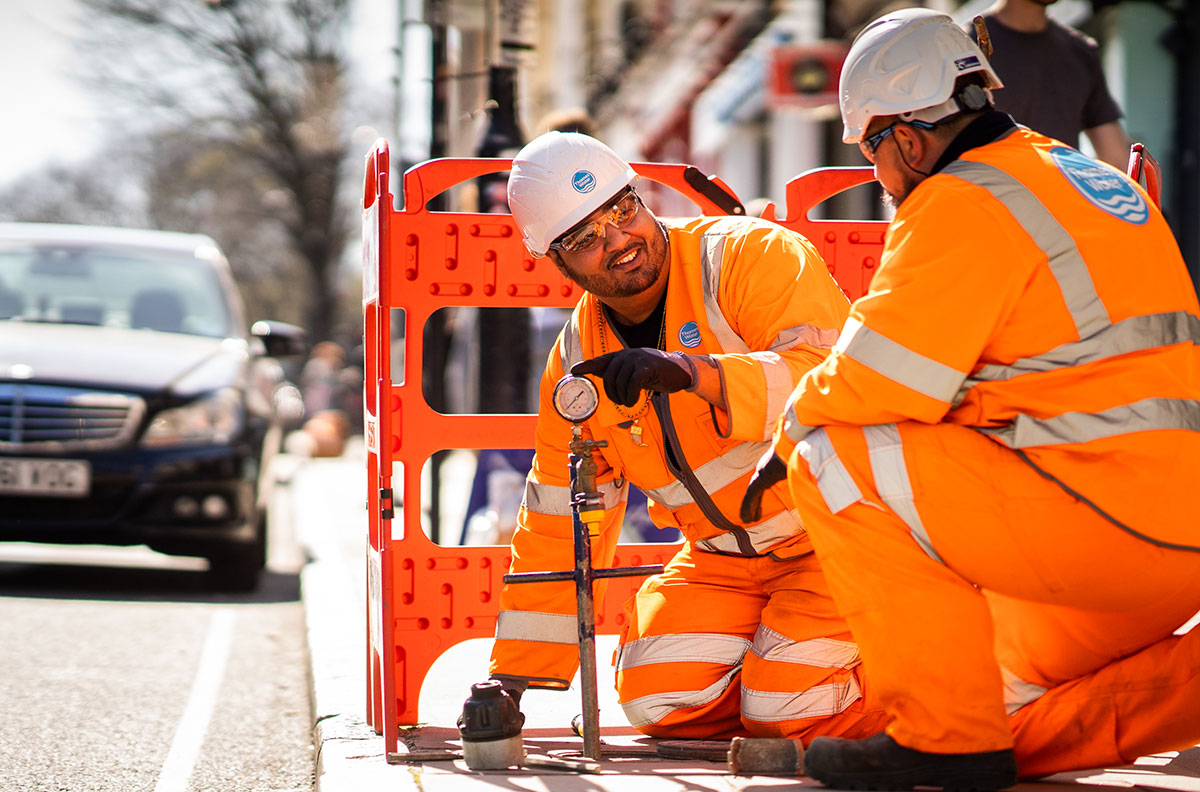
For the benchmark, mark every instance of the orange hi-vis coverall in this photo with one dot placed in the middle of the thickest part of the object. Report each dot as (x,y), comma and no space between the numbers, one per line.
(739,634)
(997,463)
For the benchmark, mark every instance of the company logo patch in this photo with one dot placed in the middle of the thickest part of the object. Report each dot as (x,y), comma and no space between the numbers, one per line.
(969,62)
(583,181)
(689,335)
(1101,185)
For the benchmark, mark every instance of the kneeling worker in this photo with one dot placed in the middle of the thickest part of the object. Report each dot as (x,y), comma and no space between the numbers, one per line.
(997,461)
(698,329)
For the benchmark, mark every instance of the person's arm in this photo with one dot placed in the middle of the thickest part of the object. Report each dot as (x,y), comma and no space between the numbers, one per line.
(779,315)
(954,266)
(1111,144)
(778,297)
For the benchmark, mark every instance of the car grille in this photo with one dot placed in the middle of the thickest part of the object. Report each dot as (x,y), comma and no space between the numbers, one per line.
(51,419)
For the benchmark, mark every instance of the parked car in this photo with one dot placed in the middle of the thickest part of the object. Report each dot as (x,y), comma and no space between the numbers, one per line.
(134,406)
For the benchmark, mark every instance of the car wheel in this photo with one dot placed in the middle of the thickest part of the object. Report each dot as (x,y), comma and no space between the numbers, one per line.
(239,567)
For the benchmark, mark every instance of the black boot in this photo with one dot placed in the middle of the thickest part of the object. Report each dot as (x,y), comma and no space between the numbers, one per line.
(879,762)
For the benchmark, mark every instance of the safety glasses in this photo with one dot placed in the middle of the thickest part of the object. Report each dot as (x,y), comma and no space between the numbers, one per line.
(869,144)
(591,230)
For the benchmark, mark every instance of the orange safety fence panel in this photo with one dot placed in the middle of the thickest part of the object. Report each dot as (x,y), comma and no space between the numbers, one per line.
(423,597)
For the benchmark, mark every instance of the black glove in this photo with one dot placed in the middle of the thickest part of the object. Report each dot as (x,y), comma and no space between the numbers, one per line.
(628,372)
(771,470)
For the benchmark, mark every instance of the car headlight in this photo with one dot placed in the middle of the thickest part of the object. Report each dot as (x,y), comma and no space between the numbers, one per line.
(216,418)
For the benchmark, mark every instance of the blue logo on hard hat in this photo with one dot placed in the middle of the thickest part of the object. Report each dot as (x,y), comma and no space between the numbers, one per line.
(1103,186)
(689,335)
(969,62)
(583,181)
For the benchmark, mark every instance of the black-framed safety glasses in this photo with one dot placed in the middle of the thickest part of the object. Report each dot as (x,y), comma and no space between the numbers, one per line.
(587,233)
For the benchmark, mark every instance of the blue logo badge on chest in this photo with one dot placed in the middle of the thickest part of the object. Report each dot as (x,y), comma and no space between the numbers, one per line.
(583,181)
(689,335)
(1103,188)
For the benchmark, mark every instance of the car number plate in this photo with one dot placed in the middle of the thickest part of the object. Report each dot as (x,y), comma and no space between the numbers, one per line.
(60,478)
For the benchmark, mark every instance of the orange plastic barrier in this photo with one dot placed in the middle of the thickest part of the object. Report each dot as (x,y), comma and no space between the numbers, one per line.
(423,598)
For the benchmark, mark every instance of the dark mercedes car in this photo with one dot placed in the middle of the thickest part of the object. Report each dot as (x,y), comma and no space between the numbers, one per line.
(134,406)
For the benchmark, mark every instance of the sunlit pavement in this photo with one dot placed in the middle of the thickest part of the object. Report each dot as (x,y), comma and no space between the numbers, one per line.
(327,504)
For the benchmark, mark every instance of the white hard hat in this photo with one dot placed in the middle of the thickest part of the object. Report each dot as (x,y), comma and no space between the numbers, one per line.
(558,179)
(905,64)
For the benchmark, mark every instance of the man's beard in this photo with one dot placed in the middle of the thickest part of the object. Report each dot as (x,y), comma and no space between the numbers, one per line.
(607,284)
(893,200)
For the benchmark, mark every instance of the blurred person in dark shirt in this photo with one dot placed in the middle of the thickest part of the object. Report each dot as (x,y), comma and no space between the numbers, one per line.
(1053,80)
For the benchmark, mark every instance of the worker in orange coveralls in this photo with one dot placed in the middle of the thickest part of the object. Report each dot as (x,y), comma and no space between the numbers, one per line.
(997,462)
(698,329)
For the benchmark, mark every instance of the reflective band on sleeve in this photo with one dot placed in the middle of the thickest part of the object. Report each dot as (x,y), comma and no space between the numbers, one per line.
(714,475)
(555,501)
(651,709)
(817,702)
(1135,334)
(530,626)
(779,386)
(726,650)
(899,363)
(1018,692)
(571,350)
(886,452)
(833,480)
(712,257)
(1078,427)
(820,652)
(819,337)
(792,427)
(1068,267)
(763,536)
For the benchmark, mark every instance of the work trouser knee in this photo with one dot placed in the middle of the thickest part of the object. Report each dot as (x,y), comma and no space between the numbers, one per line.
(912,522)
(719,646)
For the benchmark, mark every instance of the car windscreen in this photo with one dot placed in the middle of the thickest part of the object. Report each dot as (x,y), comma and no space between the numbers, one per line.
(62,283)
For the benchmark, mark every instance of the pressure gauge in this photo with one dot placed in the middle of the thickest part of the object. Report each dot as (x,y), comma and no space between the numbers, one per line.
(575,398)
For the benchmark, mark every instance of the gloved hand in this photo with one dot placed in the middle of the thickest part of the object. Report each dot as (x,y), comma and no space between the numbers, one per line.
(771,470)
(628,372)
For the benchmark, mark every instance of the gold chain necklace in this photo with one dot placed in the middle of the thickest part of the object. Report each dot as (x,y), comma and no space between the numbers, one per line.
(635,429)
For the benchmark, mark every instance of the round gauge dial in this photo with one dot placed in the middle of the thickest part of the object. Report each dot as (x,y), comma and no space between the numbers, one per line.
(575,398)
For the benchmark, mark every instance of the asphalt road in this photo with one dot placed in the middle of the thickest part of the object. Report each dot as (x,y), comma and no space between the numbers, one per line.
(122,672)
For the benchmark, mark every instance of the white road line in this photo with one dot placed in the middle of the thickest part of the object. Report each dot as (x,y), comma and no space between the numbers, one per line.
(185,748)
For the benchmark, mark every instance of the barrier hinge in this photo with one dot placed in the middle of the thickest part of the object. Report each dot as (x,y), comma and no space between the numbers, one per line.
(386,512)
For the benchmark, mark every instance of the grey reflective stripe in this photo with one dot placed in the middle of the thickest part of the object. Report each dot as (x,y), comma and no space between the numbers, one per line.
(712,256)
(555,501)
(779,386)
(714,475)
(763,535)
(820,652)
(792,427)
(899,363)
(792,337)
(726,650)
(530,626)
(886,452)
(821,701)
(833,480)
(1066,264)
(1018,692)
(1135,334)
(653,708)
(1079,427)
(571,350)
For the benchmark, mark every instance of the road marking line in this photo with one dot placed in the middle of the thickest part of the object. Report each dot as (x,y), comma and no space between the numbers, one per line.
(189,737)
